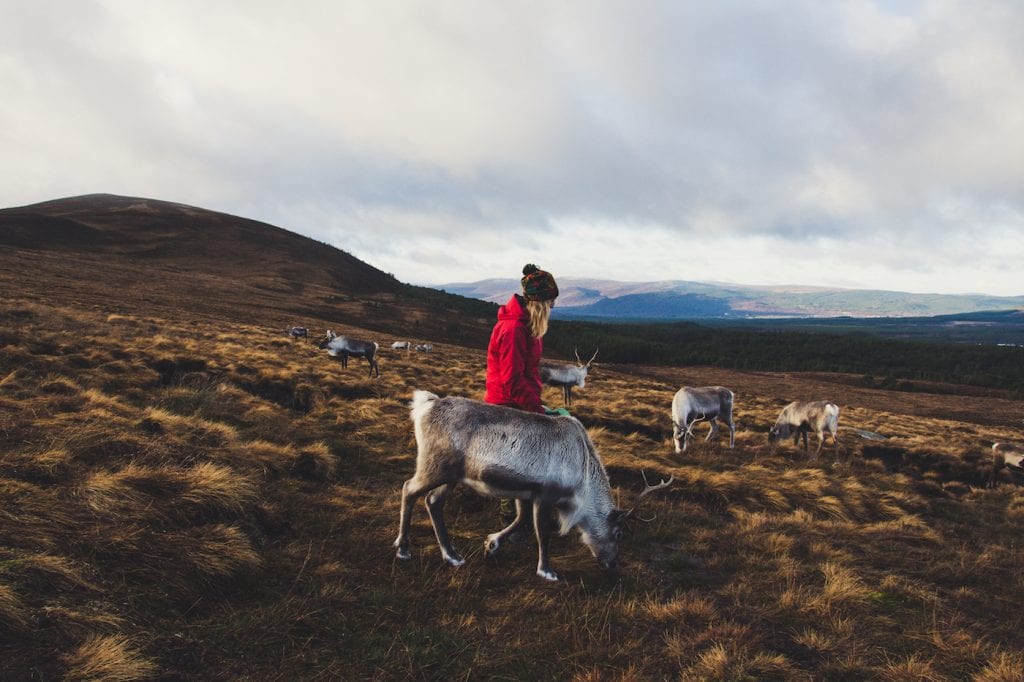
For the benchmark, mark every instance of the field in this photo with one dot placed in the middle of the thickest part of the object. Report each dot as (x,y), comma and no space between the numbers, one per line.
(182,500)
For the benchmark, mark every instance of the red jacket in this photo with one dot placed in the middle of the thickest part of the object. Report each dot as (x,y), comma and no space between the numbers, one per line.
(513,358)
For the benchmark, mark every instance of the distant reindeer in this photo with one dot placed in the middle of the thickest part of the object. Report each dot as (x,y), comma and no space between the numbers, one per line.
(547,464)
(1009,455)
(401,345)
(297,332)
(567,376)
(798,418)
(424,347)
(692,405)
(344,346)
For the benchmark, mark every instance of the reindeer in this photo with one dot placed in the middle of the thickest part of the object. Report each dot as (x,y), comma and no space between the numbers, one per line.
(567,376)
(297,332)
(344,346)
(797,418)
(1009,455)
(547,464)
(692,405)
(424,347)
(401,345)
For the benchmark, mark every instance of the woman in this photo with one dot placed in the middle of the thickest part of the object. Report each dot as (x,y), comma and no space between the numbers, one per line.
(513,354)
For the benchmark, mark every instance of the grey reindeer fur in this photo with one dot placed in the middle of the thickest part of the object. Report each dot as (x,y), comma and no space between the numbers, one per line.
(345,346)
(798,418)
(1009,455)
(690,405)
(566,377)
(547,464)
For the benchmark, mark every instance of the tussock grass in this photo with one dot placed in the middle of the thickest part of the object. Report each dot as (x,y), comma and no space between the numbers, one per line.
(183,504)
(204,491)
(13,615)
(109,658)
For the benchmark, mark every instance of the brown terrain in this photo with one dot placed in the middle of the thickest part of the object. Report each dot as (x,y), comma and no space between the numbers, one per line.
(187,493)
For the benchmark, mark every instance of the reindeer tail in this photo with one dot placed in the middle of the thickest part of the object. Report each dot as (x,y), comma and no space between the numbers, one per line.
(421,403)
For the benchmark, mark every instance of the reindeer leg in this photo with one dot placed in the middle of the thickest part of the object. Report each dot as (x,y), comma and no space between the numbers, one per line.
(411,490)
(732,433)
(678,437)
(713,430)
(435,507)
(543,525)
(821,441)
(494,540)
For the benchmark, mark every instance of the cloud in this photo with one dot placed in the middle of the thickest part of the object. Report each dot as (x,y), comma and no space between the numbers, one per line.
(449,141)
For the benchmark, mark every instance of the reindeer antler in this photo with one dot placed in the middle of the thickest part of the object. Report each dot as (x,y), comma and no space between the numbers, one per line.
(648,488)
(591,360)
(689,429)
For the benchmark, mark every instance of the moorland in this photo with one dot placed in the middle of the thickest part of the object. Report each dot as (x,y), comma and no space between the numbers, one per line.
(187,493)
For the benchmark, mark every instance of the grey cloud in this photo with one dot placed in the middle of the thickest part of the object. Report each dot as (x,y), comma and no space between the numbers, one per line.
(857,122)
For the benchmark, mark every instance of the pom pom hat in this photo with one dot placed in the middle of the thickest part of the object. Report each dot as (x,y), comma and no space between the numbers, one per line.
(538,285)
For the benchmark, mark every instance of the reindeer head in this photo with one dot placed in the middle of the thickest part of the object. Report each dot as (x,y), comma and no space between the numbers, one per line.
(330,336)
(604,541)
(603,537)
(685,435)
(583,368)
(778,432)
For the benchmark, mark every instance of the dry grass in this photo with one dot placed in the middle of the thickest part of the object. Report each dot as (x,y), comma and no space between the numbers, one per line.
(221,504)
(108,659)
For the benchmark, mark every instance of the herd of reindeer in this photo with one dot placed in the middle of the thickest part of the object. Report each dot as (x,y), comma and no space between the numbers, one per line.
(549,466)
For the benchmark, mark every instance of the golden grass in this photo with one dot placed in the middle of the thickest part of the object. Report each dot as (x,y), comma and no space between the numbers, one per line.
(13,615)
(108,658)
(186,495)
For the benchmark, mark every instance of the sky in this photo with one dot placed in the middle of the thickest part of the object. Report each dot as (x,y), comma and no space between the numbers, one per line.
(852,143)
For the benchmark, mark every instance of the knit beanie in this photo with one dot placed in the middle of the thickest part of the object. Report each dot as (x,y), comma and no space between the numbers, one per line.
(538,285)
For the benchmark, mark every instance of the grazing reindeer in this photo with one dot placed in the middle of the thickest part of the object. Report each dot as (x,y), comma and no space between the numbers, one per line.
(401,345)
(547,464)
(343,347)
(424,347)
(567,376)
(297,332)
(1007,455)
(798,418)
(692,405)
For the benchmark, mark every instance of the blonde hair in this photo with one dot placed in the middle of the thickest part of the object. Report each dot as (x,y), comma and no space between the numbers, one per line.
(539,312)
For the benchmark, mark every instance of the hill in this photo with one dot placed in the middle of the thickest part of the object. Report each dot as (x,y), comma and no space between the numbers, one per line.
(667,300)
(186,493)
(161,257)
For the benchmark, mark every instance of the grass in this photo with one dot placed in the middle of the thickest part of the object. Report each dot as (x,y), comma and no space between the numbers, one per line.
(181,505)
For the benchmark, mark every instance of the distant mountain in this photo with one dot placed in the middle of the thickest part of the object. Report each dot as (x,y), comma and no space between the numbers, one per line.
(675,299)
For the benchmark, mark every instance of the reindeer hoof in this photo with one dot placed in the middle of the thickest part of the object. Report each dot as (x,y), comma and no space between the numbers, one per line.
(548,574)
(403,553)
(454,559)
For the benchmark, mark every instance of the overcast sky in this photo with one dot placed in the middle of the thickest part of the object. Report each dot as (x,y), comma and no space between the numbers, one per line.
(867,144)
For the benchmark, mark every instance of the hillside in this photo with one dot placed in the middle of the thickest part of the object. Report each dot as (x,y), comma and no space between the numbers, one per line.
(161,257)
(186,493)
(666,300)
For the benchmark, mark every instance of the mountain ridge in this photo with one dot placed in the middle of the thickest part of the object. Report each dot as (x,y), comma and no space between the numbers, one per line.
(590,298)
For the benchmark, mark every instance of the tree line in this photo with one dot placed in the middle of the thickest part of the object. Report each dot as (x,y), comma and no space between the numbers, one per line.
(688,343)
